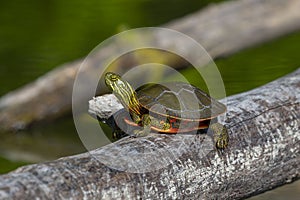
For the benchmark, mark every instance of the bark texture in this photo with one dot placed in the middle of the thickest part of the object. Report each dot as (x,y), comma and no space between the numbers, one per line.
(221,29)
(264,152)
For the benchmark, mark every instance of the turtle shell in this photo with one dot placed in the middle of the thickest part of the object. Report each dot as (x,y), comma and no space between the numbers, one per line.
(179,100)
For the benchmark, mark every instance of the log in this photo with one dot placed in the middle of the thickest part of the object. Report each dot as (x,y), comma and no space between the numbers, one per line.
(222,29)
(264,152)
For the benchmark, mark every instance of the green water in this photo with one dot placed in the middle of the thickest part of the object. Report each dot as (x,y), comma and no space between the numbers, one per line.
(36,36)
(256,66)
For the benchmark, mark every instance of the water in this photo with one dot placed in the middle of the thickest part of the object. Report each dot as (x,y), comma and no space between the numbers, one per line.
(36,36)
(288,191)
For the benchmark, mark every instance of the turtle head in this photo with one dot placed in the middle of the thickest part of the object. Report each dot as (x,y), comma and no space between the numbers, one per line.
(112,80)
(123,91)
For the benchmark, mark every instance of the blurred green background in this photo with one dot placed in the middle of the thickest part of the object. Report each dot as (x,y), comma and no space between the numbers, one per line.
(36,36)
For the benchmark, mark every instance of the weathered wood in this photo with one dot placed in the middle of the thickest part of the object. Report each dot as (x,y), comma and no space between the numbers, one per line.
(264,152)
(221,29)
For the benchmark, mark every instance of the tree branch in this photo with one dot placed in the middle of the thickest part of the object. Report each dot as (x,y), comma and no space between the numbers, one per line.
(263,153)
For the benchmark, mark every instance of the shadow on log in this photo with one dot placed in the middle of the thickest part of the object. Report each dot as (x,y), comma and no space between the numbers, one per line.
(221,29)
(264,127)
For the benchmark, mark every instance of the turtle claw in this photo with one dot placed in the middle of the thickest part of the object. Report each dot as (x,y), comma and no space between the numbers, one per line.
(139,133)
(142,131)
(220,135)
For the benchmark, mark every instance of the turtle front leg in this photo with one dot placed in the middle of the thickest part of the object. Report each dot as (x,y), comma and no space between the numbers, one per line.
(220,135)
(145,121)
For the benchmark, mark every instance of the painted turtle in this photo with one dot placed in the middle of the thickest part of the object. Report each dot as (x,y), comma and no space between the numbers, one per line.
(173,107)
